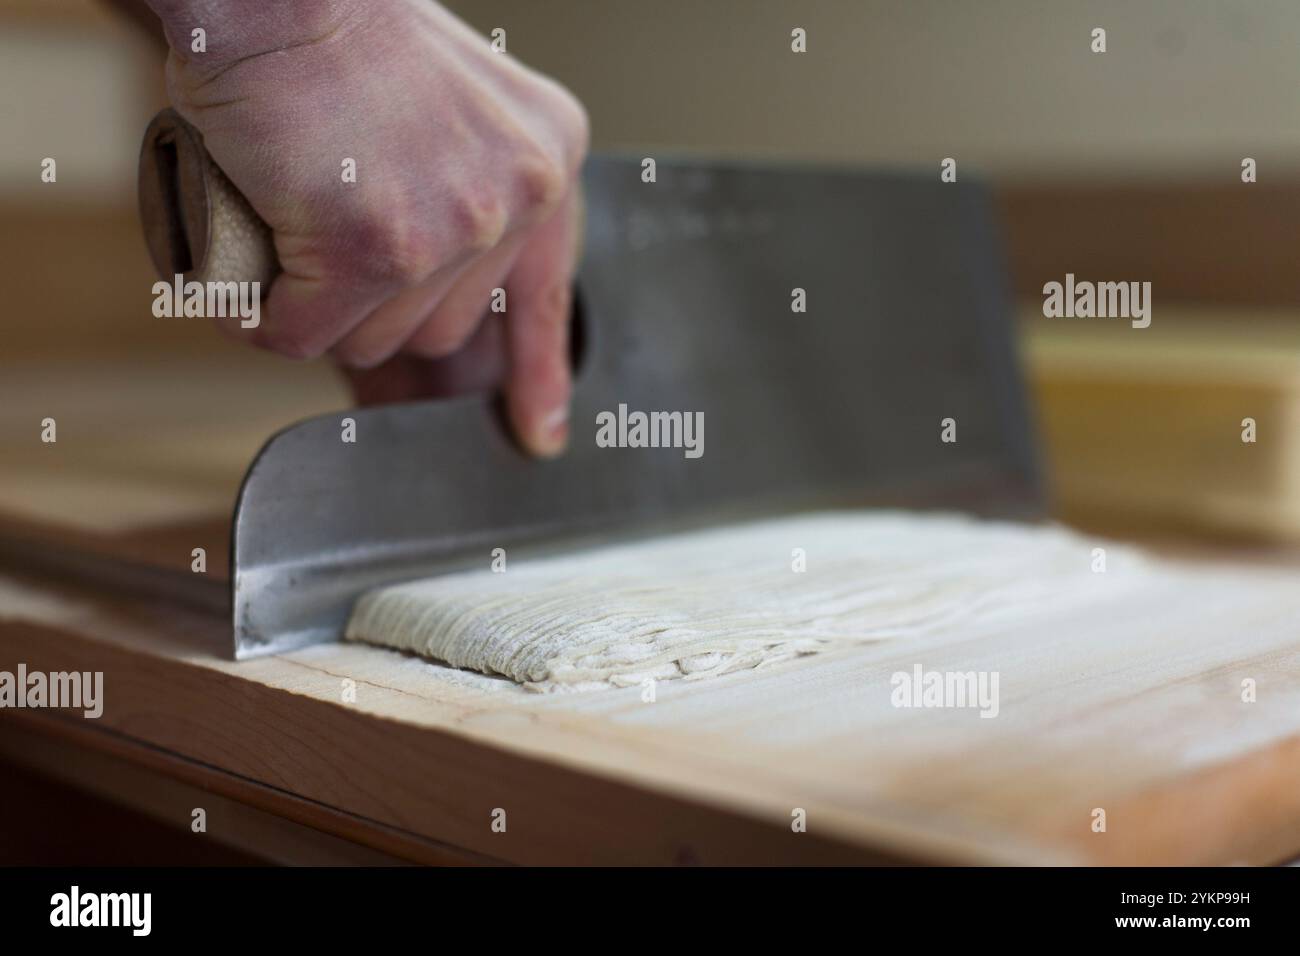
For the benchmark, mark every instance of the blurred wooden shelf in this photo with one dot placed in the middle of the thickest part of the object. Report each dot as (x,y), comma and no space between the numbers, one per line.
(1143,427)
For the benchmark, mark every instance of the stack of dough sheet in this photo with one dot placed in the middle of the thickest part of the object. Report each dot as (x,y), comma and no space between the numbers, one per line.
(702,604)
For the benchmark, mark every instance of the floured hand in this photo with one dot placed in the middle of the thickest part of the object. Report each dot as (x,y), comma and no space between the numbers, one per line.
(465,168)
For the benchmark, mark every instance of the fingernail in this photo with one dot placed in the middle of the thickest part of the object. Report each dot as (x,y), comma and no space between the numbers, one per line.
(554,433)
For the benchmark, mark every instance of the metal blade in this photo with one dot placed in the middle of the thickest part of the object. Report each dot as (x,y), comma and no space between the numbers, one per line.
(686,292)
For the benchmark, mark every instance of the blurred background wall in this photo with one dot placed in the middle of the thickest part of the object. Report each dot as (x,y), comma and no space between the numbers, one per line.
(1010,86)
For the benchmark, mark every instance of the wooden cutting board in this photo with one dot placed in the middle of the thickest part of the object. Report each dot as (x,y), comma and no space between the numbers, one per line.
(417,756)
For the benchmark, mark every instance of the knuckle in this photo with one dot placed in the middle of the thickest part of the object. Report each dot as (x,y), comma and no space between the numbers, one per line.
(390,253)
(542,184)
(402,260)
(572,126)
(554,312)
(577,126)
(478,220)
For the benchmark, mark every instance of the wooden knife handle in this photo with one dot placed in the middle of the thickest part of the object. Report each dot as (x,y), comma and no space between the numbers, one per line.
(196,223)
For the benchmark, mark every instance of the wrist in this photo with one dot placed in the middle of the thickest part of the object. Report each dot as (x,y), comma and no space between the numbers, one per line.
(235,29)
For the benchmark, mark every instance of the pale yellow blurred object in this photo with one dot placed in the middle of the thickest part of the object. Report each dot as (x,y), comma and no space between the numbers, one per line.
(1142,428)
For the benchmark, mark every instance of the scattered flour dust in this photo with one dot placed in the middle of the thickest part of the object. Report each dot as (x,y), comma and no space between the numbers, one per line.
(704,603)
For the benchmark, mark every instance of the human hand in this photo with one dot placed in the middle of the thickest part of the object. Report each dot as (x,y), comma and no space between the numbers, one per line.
(466,167)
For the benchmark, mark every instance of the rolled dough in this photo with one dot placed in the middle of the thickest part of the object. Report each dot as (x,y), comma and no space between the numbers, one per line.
(705,603)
